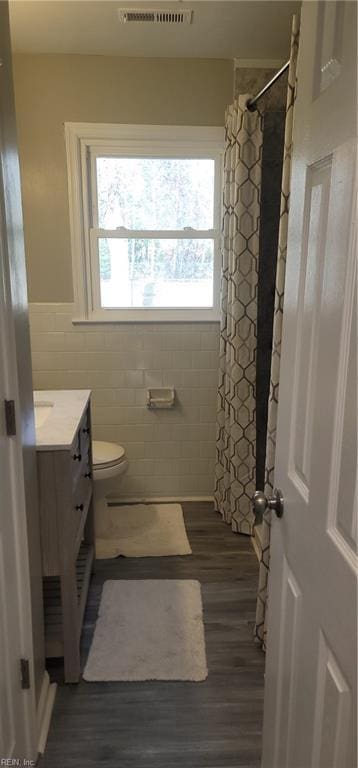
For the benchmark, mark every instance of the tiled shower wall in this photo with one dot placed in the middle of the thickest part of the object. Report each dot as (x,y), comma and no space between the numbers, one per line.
(170,452)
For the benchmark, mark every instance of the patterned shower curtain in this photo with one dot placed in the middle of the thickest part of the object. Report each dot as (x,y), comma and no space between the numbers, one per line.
(261,608)
(236,417)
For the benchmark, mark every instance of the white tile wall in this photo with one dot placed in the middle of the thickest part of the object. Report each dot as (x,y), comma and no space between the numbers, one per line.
(171,453)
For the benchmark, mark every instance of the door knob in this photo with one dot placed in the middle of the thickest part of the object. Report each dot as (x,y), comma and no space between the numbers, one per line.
(260,503)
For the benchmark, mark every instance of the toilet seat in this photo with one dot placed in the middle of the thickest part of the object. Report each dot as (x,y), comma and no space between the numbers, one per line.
(106,455)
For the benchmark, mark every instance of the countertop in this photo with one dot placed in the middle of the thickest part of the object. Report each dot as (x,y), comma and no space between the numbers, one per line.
(59,429)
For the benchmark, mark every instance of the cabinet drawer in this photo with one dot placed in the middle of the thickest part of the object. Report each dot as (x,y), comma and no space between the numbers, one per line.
(81,451)
(81,467)
(81,501)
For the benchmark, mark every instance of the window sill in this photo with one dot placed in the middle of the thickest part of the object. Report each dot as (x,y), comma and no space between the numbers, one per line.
(151,316)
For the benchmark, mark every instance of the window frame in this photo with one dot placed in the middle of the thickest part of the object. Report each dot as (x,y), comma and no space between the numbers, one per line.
(87,141)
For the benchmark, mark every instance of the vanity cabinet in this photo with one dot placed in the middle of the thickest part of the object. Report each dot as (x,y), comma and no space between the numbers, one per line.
(67,535)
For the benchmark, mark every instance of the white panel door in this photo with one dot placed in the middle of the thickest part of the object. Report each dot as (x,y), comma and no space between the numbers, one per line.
(311,671)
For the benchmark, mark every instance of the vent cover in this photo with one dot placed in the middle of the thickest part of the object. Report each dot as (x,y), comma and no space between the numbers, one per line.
(154,16)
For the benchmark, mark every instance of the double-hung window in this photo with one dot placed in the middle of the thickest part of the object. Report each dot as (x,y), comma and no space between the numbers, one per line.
(145,210)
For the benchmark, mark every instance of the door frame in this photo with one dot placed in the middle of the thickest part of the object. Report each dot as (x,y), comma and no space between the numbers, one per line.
(17,490)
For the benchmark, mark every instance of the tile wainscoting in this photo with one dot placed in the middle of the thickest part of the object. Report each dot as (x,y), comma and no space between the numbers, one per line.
(171,453)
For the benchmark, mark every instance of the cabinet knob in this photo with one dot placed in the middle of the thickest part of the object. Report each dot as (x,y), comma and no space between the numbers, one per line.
(79,507)
(77,457)
(86,430)
(88,475)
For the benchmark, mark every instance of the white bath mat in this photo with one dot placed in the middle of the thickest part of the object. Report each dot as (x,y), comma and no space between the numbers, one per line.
(142,530)
(148,630)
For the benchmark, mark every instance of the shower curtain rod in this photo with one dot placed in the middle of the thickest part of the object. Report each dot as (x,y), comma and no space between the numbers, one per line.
(251,104)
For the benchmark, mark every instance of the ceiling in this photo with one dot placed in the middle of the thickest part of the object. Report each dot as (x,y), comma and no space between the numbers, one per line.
(246,29)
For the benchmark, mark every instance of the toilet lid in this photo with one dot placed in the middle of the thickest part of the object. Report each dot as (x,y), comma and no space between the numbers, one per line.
(106,453)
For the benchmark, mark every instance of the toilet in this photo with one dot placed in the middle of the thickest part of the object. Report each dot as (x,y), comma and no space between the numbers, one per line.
(109,461)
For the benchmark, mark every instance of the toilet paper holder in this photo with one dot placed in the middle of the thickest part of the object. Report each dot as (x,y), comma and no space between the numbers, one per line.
(160,397)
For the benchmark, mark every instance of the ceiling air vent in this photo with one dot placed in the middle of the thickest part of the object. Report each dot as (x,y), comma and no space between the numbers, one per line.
(153,16)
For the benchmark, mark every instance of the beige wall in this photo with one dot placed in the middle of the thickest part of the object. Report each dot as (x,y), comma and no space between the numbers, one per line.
(53,89)
(170,453)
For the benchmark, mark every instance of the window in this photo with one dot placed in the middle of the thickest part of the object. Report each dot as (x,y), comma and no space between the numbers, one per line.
(145,209)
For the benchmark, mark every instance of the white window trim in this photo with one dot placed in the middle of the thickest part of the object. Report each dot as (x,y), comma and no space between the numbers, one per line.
(83,140)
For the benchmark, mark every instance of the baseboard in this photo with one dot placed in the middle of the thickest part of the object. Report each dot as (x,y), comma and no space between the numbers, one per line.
(44,711)
(157,499)
(256,543)
(255,547)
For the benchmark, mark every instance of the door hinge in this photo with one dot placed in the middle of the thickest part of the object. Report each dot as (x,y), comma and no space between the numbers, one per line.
(25,674)
(10,418)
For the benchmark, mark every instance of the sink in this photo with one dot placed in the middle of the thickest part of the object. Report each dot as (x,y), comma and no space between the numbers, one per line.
(42,412)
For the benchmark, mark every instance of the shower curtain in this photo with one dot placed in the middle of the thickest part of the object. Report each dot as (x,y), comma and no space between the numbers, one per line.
(261,608)
(236,414)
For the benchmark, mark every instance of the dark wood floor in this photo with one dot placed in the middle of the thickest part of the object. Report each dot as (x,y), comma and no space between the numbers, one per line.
(213,724)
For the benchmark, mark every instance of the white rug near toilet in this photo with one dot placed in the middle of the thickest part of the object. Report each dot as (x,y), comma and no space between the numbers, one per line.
(142,530)
(148,630)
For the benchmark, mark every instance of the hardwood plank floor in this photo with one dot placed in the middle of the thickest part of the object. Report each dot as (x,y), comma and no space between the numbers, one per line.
(213,724)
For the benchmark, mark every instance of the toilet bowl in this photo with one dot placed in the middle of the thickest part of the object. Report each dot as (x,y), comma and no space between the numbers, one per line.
(109,461)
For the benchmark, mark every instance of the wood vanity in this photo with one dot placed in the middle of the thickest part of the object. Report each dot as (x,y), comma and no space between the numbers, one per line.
(64,460)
